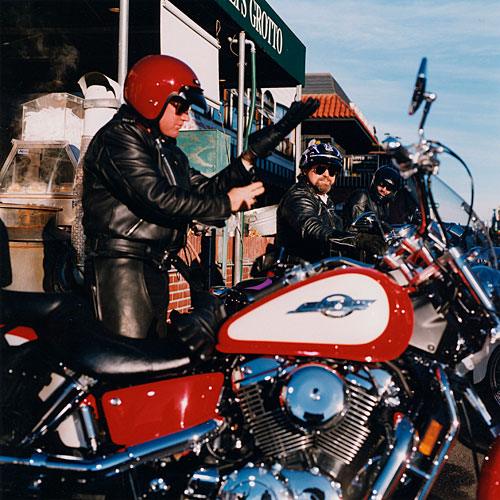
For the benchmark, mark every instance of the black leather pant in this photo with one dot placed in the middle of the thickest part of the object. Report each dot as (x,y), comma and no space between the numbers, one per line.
(129,295)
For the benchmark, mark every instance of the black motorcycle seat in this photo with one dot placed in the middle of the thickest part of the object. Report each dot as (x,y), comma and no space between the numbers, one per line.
(27,306)
(64,324)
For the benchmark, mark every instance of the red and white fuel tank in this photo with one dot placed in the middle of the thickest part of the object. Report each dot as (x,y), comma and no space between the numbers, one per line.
(358,314)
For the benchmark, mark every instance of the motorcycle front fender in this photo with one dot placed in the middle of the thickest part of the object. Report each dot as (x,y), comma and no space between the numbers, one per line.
(489,480)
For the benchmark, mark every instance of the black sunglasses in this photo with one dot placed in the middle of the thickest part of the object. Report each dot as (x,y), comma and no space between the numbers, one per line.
(387,185)
(181,107)
(320,170)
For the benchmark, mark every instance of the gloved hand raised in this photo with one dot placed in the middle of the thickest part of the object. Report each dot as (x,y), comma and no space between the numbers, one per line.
(263,142)
(371,243)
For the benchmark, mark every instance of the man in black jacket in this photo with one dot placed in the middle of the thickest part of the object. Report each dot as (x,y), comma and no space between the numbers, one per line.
(140,194)
(384,186)
(307,226)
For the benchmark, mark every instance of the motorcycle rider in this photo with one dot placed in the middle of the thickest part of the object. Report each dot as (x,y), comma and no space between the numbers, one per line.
(140,193)
(385,184)
(307,226)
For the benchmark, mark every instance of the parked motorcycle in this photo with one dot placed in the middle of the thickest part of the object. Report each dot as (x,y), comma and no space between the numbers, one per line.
(339,380)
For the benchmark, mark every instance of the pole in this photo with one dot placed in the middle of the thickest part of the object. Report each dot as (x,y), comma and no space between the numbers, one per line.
(298,134)
(238,236)
(123,42)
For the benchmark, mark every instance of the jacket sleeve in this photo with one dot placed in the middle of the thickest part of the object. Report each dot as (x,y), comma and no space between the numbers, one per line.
(356,205)
(234,175)
(301,213)
(128,167)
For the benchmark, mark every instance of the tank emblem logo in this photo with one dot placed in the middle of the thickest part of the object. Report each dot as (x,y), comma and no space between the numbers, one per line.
(334,306)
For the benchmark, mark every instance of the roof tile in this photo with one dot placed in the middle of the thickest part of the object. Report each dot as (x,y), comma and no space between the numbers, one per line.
(331,106)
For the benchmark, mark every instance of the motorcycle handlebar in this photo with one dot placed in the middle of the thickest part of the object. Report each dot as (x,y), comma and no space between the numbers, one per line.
(303,271)
(421,157)
(394,148)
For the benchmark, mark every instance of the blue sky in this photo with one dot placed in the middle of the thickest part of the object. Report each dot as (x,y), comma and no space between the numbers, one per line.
(374,48)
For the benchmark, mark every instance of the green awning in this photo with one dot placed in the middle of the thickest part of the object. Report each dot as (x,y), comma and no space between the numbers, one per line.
(281,56)
(270,33)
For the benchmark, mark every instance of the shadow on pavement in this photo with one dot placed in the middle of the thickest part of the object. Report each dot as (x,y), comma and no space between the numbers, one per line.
(457,480)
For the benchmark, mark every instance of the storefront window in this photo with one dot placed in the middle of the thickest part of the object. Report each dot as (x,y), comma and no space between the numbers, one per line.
(234,112)
(268,103)
(285,147)
(280,112)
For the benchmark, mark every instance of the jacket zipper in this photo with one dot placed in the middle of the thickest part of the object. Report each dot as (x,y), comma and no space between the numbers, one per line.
(163,162)
(134,227)
(169,174)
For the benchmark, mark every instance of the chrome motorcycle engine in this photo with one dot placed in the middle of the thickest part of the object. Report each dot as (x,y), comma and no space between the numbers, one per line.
(312,415)
(256,483)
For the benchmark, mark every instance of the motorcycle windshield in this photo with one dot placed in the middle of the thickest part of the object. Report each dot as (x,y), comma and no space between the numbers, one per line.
(463,226)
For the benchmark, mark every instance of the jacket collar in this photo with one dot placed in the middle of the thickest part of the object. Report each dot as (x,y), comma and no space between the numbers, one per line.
(128,115)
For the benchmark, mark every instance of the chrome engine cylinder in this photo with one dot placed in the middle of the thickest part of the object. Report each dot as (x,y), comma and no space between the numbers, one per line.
(308,415)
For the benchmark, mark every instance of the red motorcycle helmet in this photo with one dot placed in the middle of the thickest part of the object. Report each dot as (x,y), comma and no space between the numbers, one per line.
(156,80)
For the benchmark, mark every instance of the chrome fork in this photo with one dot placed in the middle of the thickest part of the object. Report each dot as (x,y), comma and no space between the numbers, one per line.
(441,455)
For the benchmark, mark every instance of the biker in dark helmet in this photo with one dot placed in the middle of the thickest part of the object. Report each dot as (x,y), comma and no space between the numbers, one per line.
(307,226)
(385,184)
(140,193)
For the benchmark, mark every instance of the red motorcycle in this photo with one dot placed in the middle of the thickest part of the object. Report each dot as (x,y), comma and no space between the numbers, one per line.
(339,380)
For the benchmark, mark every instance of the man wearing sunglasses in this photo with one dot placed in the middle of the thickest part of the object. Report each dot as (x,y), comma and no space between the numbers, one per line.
(140,194)
(386,182)
(308,229)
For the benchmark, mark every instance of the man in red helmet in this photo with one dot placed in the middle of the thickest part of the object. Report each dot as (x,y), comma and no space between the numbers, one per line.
(140,194)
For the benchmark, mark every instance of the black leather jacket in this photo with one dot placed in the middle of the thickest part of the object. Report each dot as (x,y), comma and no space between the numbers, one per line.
(307,227)
(360,202)
(138,187)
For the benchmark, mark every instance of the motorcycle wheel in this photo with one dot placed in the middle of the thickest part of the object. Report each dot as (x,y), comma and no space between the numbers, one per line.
(488,389)
(490,386)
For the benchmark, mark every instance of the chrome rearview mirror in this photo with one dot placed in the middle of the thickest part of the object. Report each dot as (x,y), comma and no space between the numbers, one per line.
(419,90)
(419,95)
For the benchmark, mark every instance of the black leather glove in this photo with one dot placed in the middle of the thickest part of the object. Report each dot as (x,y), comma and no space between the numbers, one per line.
(341,240)
(197,331)
(371,243)
(263,142)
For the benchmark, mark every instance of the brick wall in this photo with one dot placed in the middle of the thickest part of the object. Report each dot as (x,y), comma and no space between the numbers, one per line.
(253,246)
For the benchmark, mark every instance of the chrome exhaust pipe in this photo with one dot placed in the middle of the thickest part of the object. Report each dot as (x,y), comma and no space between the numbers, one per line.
(129,458)
(449,439)
(400,455)
(405,446)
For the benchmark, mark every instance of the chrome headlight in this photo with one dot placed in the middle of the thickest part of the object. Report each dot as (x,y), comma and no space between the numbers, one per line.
(490,279)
